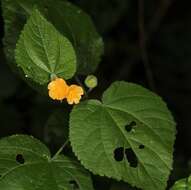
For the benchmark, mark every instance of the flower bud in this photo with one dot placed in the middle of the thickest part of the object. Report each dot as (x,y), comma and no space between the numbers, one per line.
(91,81)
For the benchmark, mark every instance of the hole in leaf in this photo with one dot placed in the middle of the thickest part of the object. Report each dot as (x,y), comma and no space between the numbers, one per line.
(74,184)
(20,159)
(141,146)
(119,154)
(131,157)
(130,126)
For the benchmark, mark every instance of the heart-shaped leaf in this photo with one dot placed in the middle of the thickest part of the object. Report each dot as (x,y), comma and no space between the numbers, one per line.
(128,136)
(25,164)
(42,51)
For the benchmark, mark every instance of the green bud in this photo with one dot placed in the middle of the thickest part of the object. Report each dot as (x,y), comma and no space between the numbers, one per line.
(91,81)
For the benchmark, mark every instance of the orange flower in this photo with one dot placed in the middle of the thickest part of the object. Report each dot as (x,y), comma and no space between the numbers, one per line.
(58,89)
(74,94)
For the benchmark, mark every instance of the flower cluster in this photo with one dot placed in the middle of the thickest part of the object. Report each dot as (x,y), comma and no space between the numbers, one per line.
(59,90)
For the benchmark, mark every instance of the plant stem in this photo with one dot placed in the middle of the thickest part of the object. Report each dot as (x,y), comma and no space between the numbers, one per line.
(60,149)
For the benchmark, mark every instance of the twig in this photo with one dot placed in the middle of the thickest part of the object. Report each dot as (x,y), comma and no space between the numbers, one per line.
(143,45)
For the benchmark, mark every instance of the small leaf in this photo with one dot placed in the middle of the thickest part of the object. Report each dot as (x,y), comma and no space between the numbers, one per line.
(42,51)
(183,184)
(98,132)
(25,163)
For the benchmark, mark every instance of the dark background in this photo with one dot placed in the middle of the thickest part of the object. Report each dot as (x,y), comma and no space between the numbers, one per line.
(146,43)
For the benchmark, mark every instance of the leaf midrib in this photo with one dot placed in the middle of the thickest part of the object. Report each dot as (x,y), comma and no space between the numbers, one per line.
(27,150)
(42,39)
(139,119)
(19,166)
(133,150)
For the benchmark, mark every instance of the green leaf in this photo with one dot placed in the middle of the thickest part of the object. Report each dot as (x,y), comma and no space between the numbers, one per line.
(128,136)
(183,184)
(78,27)
(25,164)
(42,51)
(69,20)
